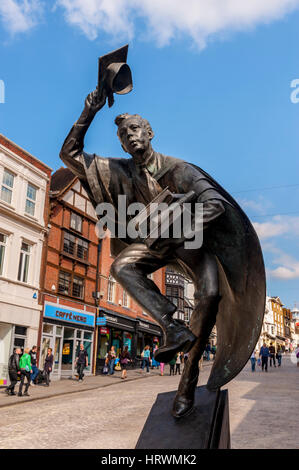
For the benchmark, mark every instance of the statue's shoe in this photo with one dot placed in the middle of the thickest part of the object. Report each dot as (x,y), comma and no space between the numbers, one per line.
(183,403)
(182,406)
(178,339)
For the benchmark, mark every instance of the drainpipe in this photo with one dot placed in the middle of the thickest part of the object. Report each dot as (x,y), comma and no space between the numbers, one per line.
(97,304)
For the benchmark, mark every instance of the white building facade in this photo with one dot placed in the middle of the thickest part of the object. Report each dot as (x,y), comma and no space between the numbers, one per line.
(24,186)
(269,328)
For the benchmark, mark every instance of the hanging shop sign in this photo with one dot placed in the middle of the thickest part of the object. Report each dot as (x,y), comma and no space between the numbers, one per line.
(101,321)
(66,315)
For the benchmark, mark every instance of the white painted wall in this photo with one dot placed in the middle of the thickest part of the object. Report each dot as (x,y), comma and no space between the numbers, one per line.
(17,305)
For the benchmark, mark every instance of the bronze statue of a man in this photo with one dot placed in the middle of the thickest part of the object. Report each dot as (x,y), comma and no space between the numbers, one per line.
(227,270)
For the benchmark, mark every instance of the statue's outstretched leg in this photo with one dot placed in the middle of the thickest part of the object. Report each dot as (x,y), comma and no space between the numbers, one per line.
(130,269)
(203,319)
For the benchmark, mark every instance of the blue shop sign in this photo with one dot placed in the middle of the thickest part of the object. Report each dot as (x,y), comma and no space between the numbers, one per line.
(101,321)
(71,316)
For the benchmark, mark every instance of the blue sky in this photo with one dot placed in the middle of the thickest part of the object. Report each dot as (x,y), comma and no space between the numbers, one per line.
(213,78)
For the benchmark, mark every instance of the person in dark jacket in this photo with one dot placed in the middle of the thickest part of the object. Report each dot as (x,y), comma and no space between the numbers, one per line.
(13,371)
(32,353)
(208,351)
(124,358)
(264,354)
(272,355)
(279,355)
(171,365)
(81,362)
(48,366)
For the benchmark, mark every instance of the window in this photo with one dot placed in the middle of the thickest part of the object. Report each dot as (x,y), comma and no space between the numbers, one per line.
(19,339)
(111,289)
(76,222)
(125,299)
(75,246)
(7,186)
(69,243)
(31,199)
(64,283)
(82,249)
(2,250)
(78,287)
(70,286)
(24,262)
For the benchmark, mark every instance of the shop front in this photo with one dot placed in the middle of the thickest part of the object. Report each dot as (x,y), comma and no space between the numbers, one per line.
(64,330)
(120,331)
(11,337)
(148,334)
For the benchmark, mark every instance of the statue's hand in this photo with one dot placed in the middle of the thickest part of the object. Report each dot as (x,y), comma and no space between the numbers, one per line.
(94,102)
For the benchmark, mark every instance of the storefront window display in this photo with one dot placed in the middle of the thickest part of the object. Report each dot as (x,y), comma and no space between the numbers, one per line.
(65,342)
(127,341)
(117,341)
(104,339)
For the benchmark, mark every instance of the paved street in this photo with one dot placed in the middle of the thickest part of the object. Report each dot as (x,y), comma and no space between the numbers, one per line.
(264,411)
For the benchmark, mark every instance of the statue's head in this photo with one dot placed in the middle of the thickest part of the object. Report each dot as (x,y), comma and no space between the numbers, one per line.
(135,134)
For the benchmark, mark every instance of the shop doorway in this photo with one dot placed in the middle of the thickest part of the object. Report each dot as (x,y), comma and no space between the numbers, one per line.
(68,350)
(65,343)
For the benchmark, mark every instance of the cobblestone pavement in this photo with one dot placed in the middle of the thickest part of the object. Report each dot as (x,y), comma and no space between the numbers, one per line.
(264,412)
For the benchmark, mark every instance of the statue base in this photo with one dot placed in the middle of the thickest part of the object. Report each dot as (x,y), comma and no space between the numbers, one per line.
(207,427)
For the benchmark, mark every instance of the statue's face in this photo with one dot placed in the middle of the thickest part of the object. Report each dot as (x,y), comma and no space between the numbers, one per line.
(134,136)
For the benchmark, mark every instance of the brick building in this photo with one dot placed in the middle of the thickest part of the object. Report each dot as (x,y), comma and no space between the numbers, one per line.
(78,289)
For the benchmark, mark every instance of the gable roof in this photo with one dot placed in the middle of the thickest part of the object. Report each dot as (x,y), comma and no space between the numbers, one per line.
(61,180)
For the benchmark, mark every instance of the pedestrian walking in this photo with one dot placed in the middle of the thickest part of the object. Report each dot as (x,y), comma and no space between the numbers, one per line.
(146,358)
(111,356)
(25,367)
(171,365)
(253,361)
(208,351)
(13,371)
(279,355)
(124,359)
(154,362)
(264,354)
(272,354)
(178,364)
(81,362)
(162,368)
(48,366)
(213,351)
(33,353)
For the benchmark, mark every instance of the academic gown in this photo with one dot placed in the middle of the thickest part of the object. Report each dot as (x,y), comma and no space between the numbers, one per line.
(228,235)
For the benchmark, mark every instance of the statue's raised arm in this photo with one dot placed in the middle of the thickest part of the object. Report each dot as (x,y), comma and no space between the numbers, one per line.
(73,145)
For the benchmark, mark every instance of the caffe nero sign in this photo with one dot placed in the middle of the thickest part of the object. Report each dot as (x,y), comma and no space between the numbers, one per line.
(72,316)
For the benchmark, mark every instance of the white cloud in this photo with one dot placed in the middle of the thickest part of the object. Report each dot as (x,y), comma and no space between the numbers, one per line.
(166,19)
(279,225)
(258,206)
(288,267)
(19,16)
